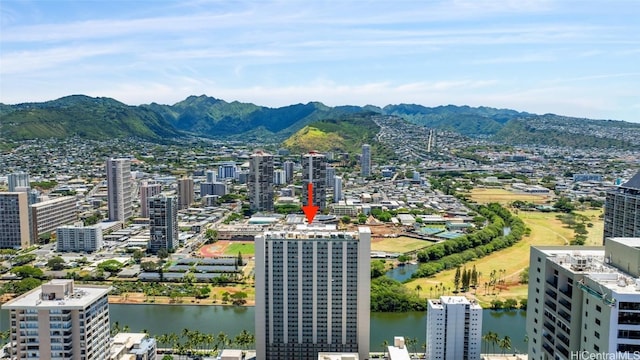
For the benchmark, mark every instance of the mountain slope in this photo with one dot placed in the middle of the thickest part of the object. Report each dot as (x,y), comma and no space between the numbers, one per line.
(78,115)
(343,134)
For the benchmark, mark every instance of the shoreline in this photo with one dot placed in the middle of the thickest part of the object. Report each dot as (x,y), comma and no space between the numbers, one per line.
(141,299)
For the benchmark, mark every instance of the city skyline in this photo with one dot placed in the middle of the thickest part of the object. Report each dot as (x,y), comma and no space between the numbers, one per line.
(536,56)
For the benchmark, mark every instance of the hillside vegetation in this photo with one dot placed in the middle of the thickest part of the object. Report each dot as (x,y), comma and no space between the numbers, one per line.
(205,116)
(92,118)
(346,134)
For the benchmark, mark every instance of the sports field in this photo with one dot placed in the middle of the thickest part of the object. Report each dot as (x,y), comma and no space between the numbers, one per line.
(228,248)
(400,244)
(503,196)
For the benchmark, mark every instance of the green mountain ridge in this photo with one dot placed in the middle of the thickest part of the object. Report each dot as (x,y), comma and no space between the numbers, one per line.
(83,116)
(100,118)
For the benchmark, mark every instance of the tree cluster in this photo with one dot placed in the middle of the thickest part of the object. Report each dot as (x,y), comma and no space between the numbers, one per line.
(455,252)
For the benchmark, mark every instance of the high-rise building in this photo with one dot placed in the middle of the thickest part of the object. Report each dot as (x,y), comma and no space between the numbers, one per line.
(337,189)
(163,223)
(622,210)
(46,216)
(331,173)
(185,193)
(260,181)
(584,300)
(119,189)
(17,180)
(79,238)
(14,220)
(216,188)
(454,328)
(147,191)
(212,176)
(312,292)
(279,177)
(365,161)
(288,171)
(227,170)
(314,171)
(60,321)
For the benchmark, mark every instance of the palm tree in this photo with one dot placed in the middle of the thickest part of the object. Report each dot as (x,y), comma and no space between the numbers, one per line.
(418,289)
(492,338)
(505,344)
(385,345)
(223,340)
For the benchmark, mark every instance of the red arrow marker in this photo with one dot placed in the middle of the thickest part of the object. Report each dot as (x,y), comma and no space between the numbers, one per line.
(310,210)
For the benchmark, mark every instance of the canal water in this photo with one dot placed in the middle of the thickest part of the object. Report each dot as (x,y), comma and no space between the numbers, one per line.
(160,319)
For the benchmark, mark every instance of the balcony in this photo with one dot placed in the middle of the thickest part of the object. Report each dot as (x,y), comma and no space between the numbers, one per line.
(550,304)
(565,303)
(551,294)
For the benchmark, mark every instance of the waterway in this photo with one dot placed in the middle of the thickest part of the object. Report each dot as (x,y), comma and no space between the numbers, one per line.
(402,272)
(160,319)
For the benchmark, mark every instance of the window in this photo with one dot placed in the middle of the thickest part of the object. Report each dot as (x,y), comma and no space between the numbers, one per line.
(596,334)
(597,321)
(598,308)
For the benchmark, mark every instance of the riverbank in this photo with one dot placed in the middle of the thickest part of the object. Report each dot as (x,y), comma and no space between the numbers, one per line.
(140,298)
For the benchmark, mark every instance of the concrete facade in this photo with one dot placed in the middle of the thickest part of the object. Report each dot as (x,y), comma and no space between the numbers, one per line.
(314,171)
(119,189)
(46,216)
(581,300)
(260,181)
(454,328)
(60,321)
(312,292)
(14,220)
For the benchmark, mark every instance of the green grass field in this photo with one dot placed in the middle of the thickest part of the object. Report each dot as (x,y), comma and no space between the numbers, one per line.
(503,196)
(400,244)
(246,248)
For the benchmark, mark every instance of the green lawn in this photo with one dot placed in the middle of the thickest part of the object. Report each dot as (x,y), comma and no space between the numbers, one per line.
(246,248)
(400,244)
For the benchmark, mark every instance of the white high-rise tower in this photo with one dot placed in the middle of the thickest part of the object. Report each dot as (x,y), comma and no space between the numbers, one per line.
(312,293)
(119,189)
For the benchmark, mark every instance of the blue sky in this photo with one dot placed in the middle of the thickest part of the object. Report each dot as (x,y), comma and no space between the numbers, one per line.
(576,58)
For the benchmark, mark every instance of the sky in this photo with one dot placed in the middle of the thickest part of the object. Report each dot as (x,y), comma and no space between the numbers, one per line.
(574,58)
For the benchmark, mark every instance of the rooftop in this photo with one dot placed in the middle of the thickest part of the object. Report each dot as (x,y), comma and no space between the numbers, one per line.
(591,262)
(58,294)
(314,231)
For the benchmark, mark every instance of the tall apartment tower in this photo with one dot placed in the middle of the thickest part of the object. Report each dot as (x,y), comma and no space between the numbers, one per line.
(260,181)
(60,321)
(227,170)
(331,174)
(584,300)
(337,189)
(312,292)
(163,223)
(185,193)
(288,171)
(365,161)
(314,171)
(622,210)
(454,329)
(18,180)
(147,191)
(119,189)
(14,220)
(212,176)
